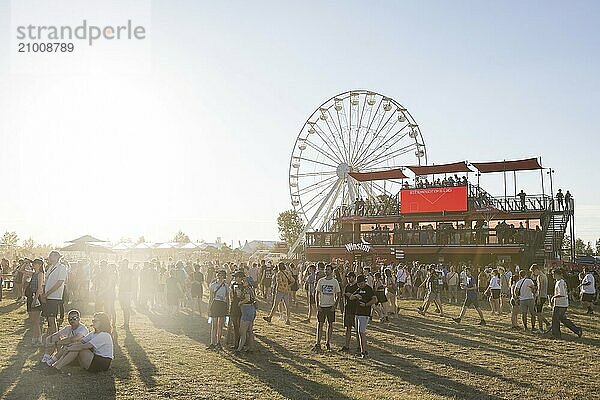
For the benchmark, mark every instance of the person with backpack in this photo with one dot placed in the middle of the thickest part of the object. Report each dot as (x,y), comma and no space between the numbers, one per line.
(283,280)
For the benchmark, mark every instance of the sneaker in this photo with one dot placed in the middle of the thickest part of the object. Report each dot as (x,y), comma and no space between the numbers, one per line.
(363,355)
(210,347)
(328,347)
(580,332)
(44,359)
(268,319)
(482,322)
(316,348)
(590,312)
(457,320)
(420,311)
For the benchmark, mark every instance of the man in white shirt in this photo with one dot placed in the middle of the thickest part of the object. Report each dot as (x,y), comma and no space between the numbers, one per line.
(72,333)
(327,294)
(588,290)
(560,302)
(524,291)
(56,275)
(401,276)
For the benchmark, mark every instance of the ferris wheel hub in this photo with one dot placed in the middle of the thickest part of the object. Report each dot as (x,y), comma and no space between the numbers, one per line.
(343,170)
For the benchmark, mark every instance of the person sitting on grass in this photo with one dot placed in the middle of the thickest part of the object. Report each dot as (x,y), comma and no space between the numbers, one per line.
(72,333)
(95,352)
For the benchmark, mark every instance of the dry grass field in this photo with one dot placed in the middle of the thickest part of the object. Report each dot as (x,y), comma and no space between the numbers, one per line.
(412,357)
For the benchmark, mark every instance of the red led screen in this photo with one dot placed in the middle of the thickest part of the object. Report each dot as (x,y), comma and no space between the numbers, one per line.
(433,200)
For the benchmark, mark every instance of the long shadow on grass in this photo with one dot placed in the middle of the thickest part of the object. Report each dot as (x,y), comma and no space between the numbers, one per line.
(413,374)
(146,369)
(20,381)
(268,367)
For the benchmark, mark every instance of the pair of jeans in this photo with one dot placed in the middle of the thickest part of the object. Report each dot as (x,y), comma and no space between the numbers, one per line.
(559,316)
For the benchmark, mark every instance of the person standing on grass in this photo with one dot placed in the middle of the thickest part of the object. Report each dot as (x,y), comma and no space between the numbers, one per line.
(365,296)
(327,294)
(266,279)
(54,286)
(471,298)
(495,288)
(247,304)
(588,290)
(310,285)
(390,291)
(33,291)
(218,305)
(504,288)
(351,299)
(236,293)
(434,283)
(401,275)
(126,283)
(452,280)
(524,290)
(541,295)
(381,306)
(560,303)
(283,280)
(197,288)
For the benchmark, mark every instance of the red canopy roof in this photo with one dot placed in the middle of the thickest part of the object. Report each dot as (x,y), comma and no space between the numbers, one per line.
(501,166)
(378,175)
(460,166)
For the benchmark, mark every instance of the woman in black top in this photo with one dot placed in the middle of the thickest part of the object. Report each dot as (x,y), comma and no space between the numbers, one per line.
(34,307)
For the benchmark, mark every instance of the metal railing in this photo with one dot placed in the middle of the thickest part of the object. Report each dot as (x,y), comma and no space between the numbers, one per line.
(429,237)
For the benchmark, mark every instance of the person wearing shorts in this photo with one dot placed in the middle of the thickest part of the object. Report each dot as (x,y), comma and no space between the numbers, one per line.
(494,289)
(95,352)
(525,289)
(365,297)
(588,290)
(283,280)
(470,289)
(541,296)
(247,305)
(55,277)
(327,294)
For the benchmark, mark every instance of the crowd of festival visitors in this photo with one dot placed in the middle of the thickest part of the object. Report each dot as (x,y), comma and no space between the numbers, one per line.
(229,295)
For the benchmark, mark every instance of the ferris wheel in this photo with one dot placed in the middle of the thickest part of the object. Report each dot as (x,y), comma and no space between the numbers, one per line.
(355,131)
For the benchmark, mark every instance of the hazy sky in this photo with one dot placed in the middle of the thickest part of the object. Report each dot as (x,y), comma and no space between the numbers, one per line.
(193,127)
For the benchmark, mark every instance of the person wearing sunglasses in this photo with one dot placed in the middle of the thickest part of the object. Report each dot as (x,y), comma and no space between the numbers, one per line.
(57,342)
(95,352)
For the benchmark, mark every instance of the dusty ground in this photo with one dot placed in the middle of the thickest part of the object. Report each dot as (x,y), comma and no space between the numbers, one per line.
(412,357)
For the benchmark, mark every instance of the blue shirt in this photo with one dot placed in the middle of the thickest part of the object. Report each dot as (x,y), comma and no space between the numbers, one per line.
(471,294)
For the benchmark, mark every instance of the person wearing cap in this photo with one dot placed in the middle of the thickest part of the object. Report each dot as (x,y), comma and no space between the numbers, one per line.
(350,308)
(365,297)
(33,291)
(55,277)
